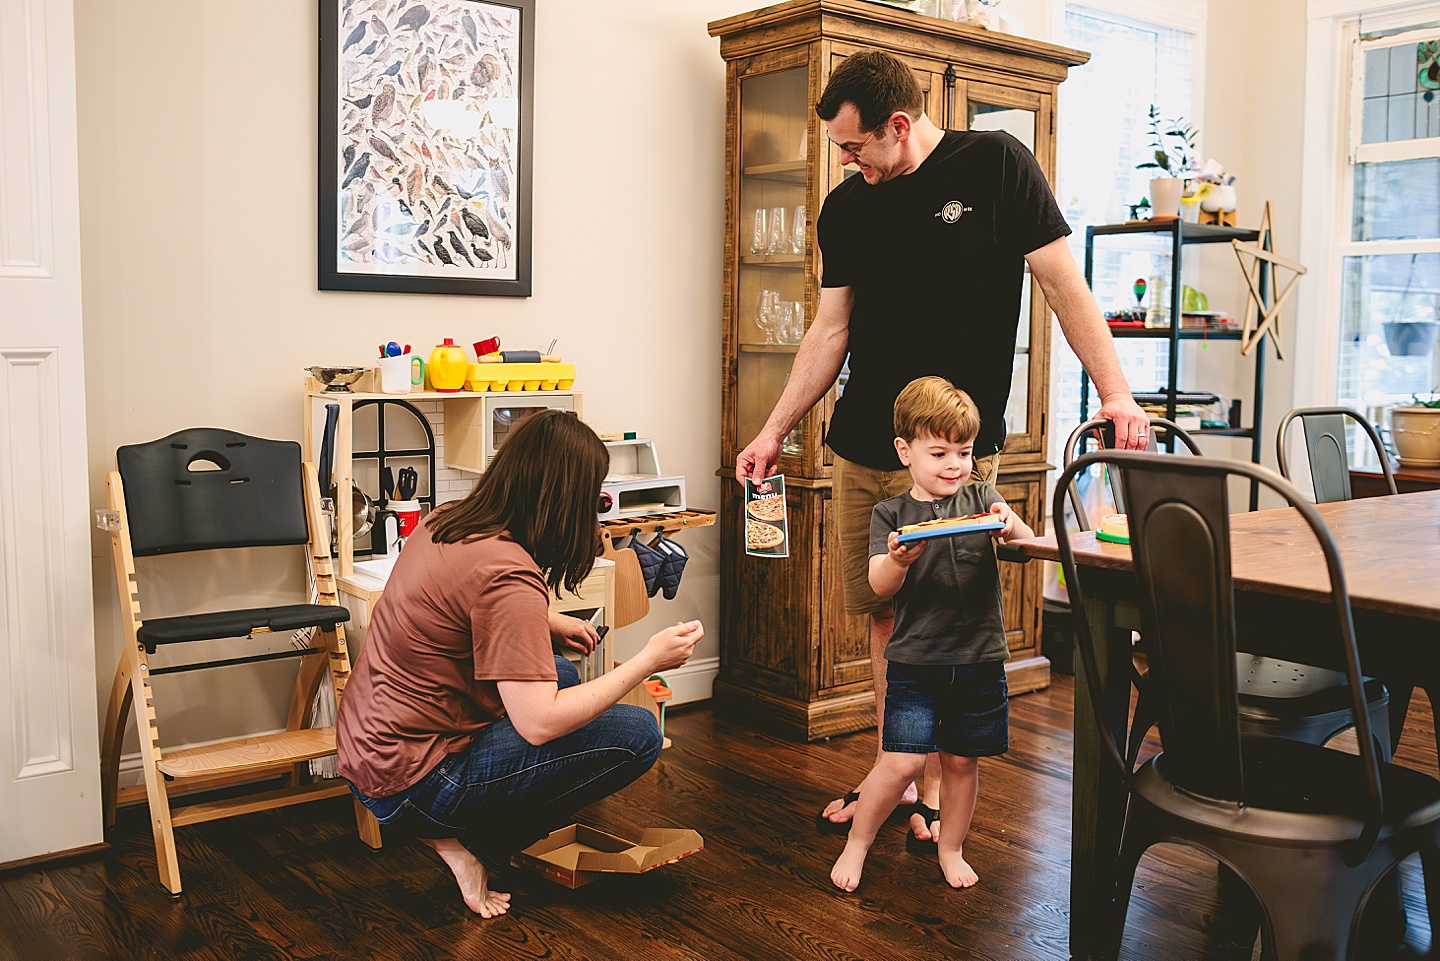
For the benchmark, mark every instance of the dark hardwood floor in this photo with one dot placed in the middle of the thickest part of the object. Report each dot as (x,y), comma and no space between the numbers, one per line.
(298,884)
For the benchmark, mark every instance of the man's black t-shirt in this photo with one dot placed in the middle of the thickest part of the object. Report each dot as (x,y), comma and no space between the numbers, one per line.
(936,262)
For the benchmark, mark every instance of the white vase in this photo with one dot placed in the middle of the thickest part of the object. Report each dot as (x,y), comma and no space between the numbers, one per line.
(1165,197)
(1416,431)
(1220,198)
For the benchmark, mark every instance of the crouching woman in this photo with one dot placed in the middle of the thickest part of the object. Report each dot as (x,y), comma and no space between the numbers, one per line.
(462,725)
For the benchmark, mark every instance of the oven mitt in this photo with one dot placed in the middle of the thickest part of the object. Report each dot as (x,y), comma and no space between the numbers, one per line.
(673,566)
(651,561)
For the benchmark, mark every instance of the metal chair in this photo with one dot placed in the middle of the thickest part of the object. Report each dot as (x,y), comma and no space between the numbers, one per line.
(1277,697)
(1311,830)
(1327,452)
(206,489)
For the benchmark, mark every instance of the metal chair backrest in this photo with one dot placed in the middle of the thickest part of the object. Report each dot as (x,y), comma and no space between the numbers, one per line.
(1326,450)
(175,502)
(1103,433)
(1178,513)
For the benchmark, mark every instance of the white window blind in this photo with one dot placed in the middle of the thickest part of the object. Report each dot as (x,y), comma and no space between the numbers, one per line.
(1104,133)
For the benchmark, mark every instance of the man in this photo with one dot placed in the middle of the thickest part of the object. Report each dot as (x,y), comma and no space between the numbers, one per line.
(924,257)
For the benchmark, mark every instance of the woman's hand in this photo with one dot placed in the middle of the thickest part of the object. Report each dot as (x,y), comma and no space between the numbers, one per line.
(572,632)
(673,646)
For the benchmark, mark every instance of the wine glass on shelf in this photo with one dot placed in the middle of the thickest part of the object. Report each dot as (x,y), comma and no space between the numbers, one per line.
(785,321)
(766,313)
(760,232)
(779,231)
(797,229)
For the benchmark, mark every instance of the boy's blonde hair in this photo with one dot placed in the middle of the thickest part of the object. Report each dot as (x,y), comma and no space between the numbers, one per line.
(933,406)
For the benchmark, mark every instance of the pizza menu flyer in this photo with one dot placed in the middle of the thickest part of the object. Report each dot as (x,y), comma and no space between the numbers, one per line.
(767,531)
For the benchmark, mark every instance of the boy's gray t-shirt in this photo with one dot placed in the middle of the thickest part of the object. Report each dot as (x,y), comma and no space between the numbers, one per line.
(948,609)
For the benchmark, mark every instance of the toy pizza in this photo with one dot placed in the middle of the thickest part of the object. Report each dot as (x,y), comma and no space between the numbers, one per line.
(1114,528)
(949,527)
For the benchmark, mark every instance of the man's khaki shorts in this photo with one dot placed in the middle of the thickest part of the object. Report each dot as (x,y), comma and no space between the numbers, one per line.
(857,490)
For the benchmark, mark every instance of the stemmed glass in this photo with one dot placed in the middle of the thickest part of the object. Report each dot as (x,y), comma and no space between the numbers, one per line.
(797,229)
(767,313)
(785,321)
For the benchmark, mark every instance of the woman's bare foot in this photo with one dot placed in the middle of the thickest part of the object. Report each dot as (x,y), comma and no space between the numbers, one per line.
(847,869)
(958,872)
(472,877)
(842,809)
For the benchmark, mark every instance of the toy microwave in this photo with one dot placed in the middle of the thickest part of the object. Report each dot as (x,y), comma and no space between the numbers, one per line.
(493,416)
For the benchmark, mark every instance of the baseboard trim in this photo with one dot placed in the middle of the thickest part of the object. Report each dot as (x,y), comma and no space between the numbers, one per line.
(694,681)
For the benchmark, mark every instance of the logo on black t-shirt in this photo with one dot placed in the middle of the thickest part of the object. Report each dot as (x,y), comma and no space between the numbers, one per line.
(953,211)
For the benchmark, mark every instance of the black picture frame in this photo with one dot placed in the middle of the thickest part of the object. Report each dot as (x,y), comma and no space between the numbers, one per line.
(426,132)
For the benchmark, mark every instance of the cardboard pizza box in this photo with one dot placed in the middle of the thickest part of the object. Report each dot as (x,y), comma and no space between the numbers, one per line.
(576,855)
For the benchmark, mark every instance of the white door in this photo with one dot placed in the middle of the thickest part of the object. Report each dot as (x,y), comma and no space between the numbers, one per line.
(49,750)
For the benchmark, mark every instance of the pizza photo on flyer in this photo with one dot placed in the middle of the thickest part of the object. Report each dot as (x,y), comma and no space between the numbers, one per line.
(766,523)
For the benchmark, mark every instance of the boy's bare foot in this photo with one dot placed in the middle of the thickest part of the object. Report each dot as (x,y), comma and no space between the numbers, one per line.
(847,869)
(842,809)
(473,878)
(925,824)
(958,872)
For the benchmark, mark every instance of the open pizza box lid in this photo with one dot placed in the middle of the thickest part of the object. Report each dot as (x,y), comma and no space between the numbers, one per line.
(576,855)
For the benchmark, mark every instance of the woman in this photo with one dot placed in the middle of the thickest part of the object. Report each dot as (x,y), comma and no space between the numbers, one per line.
(461,725)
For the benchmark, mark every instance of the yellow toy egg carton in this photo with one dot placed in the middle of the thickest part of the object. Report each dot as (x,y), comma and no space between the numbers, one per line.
(497,377)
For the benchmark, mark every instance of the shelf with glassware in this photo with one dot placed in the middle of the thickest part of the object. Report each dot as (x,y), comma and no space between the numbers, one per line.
(791,658)
(1168,240)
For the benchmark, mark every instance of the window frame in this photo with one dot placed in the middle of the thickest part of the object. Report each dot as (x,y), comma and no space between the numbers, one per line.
(1327,178)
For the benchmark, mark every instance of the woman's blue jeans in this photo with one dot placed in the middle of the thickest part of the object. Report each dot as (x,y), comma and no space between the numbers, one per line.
(503,793)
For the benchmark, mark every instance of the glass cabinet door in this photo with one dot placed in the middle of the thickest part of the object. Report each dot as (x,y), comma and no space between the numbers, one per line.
(1025,115)
(770,307)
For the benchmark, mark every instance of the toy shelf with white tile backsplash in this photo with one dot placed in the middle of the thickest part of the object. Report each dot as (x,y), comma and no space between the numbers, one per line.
(466,426)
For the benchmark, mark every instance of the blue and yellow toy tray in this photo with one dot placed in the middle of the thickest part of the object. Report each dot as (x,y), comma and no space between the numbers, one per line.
(950,527)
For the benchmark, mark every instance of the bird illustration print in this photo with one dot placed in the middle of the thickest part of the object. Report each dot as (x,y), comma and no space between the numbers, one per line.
(426,137)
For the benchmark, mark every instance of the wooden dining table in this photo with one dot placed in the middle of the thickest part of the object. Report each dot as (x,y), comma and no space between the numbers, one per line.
(1390,554)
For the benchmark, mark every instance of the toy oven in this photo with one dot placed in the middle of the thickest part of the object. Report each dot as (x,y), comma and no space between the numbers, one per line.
(501,413)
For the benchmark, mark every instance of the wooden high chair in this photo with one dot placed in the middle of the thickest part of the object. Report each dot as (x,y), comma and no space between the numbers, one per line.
(168,497)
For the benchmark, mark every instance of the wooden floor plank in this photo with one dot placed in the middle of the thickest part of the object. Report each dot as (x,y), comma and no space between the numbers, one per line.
(298,884)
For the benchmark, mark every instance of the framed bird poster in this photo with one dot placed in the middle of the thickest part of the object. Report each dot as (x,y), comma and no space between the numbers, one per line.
(425,137)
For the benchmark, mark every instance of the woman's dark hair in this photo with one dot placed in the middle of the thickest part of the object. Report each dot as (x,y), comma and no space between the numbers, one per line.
(877,83)
(543,487)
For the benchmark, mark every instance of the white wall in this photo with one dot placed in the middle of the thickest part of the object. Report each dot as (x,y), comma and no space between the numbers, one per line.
(198,138)
(1254,113)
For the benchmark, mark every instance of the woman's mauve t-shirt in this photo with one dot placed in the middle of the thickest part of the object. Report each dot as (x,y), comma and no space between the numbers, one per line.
(453,620)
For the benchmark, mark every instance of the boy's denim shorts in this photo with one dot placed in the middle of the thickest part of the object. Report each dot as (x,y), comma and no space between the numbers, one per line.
(961,709)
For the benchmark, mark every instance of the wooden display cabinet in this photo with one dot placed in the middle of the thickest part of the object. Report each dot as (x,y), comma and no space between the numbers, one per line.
(791,659)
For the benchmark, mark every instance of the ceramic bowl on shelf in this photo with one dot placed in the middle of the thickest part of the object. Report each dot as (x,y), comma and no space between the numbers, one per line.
(337,380)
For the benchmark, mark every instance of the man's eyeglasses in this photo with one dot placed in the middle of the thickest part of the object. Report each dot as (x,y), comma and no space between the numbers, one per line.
(855,150)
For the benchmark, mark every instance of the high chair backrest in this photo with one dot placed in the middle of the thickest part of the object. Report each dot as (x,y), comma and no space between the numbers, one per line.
(176,502)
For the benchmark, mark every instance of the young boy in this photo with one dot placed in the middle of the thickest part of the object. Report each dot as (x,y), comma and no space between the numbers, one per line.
(946,681)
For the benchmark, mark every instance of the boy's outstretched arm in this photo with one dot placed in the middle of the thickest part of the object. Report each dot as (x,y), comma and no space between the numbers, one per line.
(1015,528)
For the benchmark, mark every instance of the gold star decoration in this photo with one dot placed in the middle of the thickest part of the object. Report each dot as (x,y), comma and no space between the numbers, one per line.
(1262,313)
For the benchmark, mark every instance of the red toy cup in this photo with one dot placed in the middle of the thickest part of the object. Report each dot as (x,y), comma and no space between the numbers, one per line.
(408,515)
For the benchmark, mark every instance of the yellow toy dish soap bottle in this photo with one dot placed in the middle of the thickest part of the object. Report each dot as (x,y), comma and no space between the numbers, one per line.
(447,366)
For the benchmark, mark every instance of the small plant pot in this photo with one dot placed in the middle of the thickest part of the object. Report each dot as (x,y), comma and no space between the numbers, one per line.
(1416,431)
(1221,198)
(1165,197)
(1412,338)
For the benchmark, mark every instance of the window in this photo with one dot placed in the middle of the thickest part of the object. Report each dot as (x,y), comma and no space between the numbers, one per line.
(1104,131)
(1389,266)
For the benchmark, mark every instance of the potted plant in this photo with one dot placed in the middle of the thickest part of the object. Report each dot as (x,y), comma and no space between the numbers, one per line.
(1415,428)
(1172,152)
